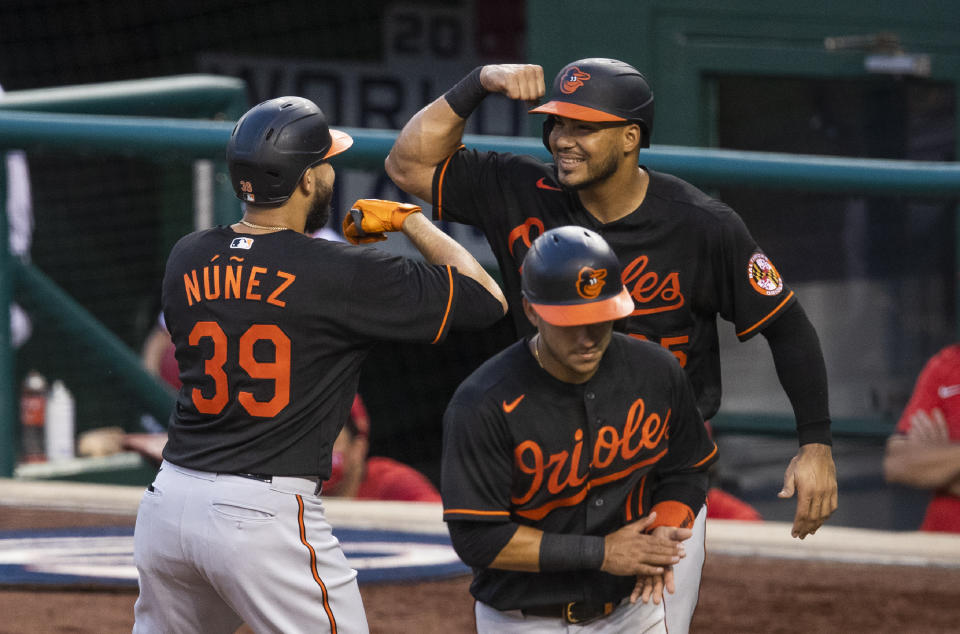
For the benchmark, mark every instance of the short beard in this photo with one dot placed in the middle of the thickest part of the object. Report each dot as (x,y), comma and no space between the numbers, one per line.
(604,170)
(319,212)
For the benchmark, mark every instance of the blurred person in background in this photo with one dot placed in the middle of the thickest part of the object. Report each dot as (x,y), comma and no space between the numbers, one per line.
(924,451)
(19,206)
(157,354)
(357,476)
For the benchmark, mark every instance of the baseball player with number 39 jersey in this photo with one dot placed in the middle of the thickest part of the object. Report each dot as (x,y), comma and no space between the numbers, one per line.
(686,258)
(574,436)
(270,328)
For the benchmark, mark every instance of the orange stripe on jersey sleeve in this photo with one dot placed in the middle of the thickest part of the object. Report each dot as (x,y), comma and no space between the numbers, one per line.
(438,204)
(446,313)
(769,315)
(477,513)
(709,456)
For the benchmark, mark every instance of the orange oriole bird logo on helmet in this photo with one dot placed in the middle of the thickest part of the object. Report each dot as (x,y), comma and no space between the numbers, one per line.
(572,80)
(590,282)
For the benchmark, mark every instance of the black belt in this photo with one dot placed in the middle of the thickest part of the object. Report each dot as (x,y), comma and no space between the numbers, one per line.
(259,477)
(573,612)
(255,476)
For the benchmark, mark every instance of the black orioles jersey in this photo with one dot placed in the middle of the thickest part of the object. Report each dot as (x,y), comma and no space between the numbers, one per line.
(685,256)
(270,332)
(521,446)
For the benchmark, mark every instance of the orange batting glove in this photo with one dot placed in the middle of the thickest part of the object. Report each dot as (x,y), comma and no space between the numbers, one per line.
(370,218)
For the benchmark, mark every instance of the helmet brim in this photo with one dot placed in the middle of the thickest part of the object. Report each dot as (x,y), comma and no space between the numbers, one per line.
(610,309)
(574,111)
(340,141)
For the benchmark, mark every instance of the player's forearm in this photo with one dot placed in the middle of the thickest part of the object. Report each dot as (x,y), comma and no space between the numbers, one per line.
(920,465)
(427,139)
(532,550)
(439,248)
(800,367)
(522,552)
(511,546)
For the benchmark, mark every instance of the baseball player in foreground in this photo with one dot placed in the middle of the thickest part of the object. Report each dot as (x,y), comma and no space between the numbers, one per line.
(686,258)
(573,460)
(270,328)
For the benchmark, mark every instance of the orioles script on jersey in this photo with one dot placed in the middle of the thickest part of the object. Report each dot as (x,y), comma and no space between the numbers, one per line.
(647,286)
(566,475)
(233,280)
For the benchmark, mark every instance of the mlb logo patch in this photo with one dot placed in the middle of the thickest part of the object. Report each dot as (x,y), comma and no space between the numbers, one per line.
(241,243)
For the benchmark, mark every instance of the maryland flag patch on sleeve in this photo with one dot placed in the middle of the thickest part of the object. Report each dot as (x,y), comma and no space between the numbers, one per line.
(763,275)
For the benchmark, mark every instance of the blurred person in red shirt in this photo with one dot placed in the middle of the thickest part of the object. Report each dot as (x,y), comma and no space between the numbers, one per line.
(360,477)
(722,505)
(924,451)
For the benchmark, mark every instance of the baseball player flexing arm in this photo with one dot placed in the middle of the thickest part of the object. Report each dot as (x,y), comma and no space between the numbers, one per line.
(686,258)
(271,327)
(574,459)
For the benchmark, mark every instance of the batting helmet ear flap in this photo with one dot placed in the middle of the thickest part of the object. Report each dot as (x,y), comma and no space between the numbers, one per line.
(548,124)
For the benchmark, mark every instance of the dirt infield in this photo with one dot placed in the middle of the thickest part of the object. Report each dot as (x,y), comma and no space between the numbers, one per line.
(738,595)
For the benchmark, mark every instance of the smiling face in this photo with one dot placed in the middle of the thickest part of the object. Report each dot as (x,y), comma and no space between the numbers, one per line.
(588,153)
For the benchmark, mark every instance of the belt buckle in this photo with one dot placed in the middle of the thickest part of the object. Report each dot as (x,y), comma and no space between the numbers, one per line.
(569,617)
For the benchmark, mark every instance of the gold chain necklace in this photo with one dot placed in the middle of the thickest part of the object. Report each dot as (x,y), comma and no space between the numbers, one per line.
(253,226)
(536,350)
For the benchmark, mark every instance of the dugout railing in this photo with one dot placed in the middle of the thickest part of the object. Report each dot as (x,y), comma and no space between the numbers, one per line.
(95,119)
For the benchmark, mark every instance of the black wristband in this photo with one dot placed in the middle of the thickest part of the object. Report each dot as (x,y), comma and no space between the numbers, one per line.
(467,94)
(817,431)
(570,552)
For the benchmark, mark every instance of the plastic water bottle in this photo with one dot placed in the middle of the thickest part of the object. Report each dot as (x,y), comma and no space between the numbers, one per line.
(59,424)
(33,407)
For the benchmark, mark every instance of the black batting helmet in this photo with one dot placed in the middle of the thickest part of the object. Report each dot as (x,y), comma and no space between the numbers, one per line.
(571,277)
(274,143)
(600,89)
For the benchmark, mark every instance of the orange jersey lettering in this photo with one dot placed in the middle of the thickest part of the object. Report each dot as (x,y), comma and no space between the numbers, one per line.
(564,471)
(233,282)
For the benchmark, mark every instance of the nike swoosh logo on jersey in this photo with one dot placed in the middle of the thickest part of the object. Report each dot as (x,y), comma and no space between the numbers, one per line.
(509,407)
(946,391)
(542,184)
